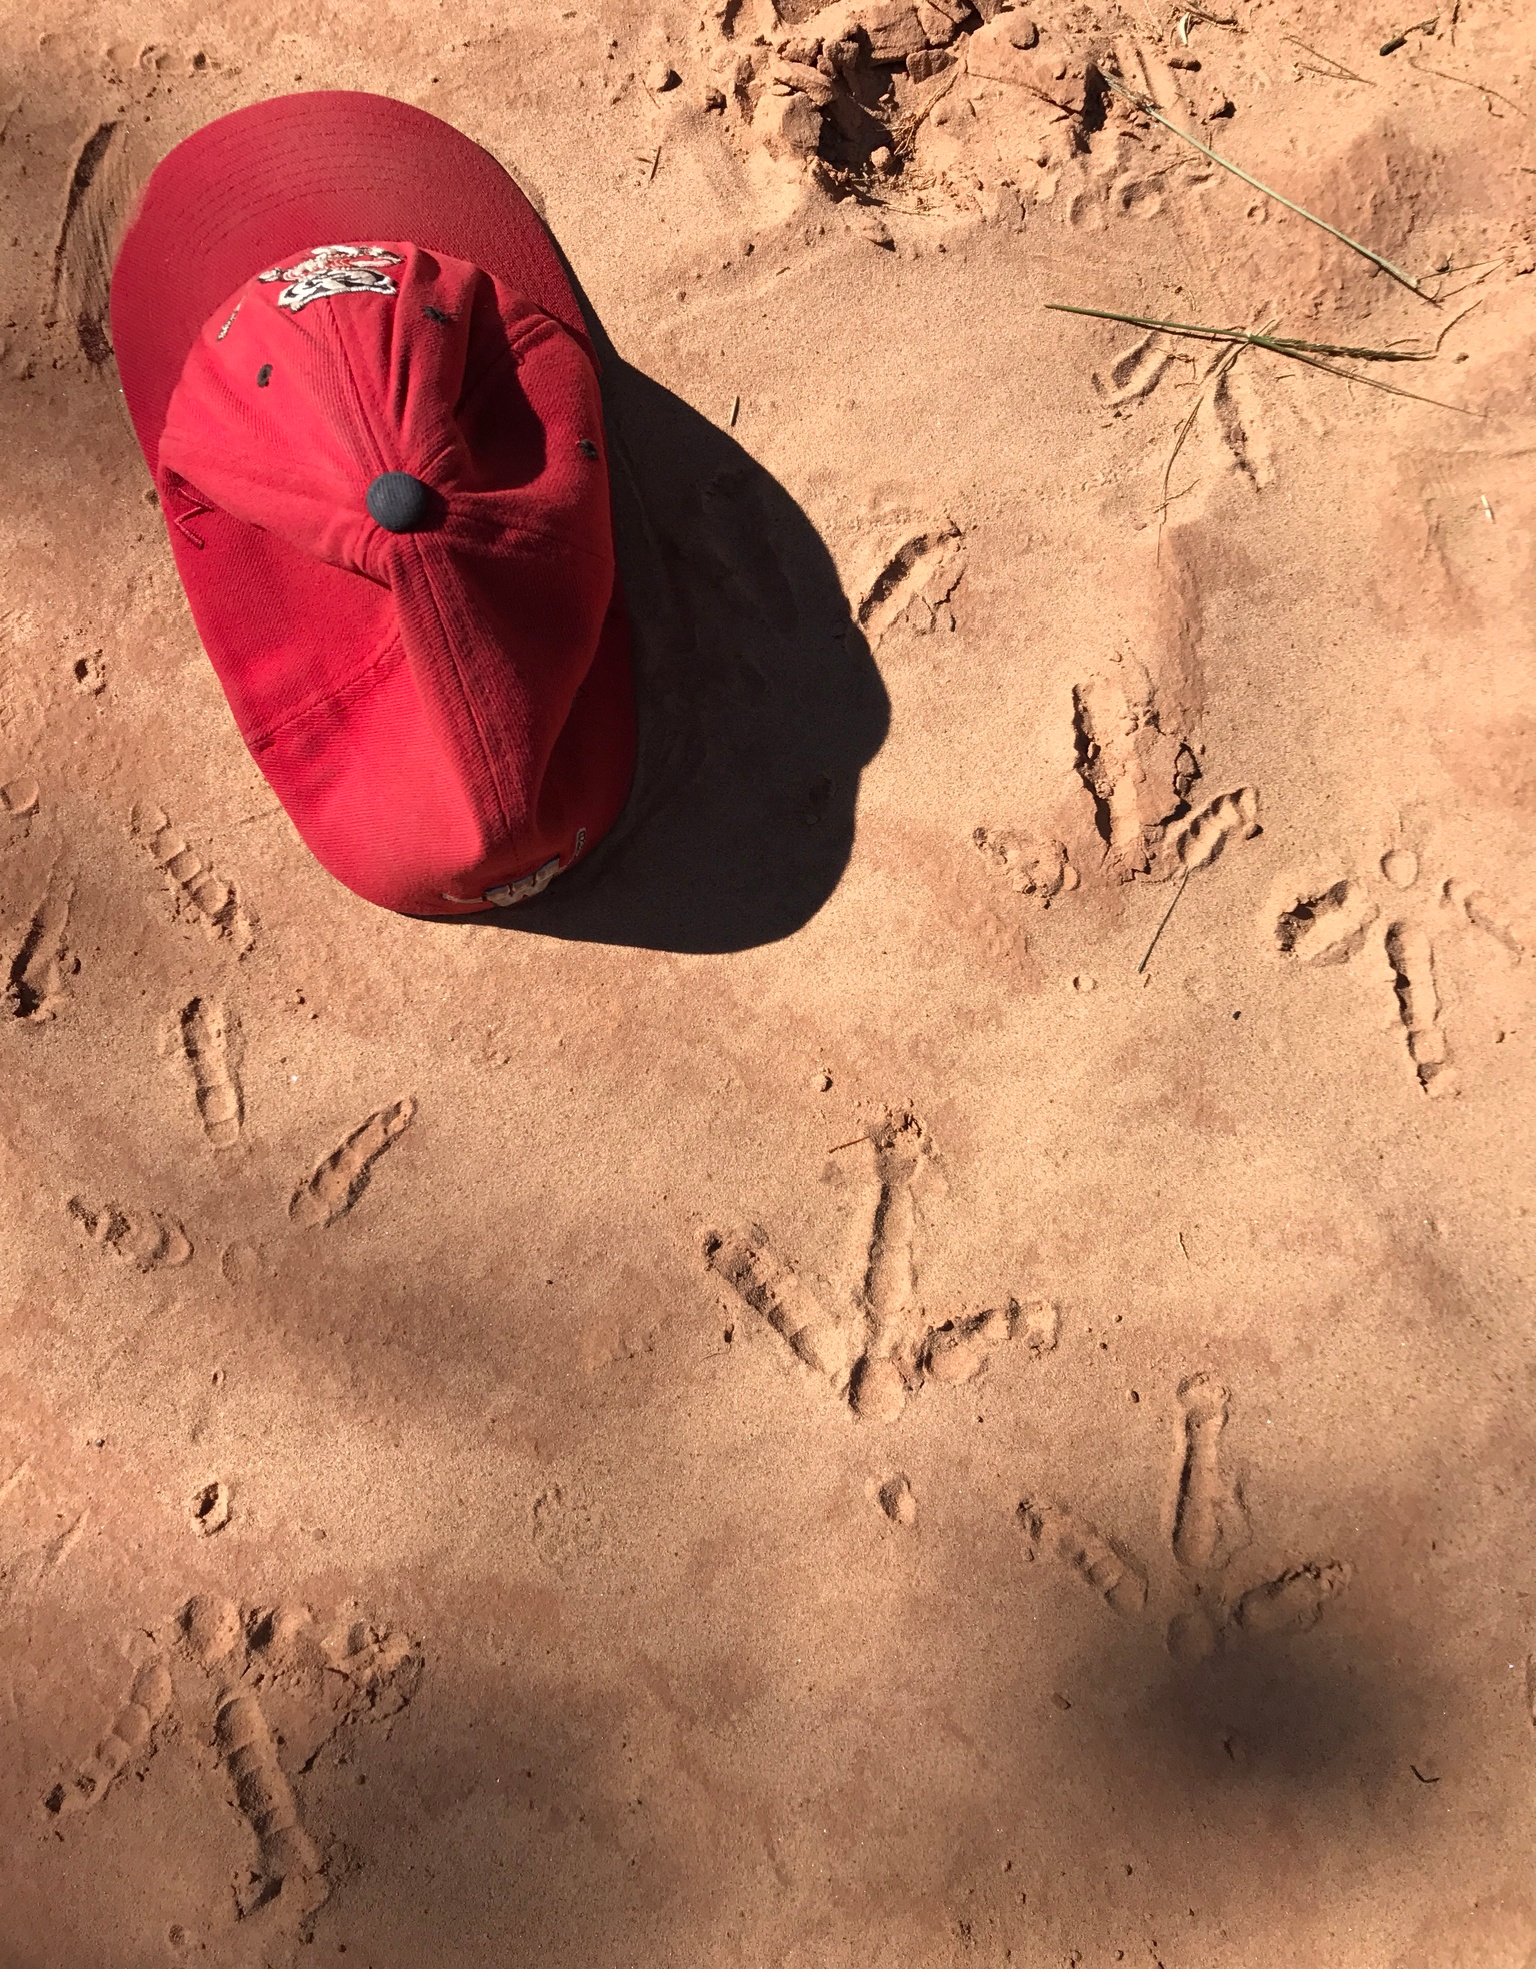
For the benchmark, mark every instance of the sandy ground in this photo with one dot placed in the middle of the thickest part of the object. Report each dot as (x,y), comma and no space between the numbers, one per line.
(796,1402)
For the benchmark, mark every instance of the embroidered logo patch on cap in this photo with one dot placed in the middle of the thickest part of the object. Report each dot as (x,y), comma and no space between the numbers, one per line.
(328,270)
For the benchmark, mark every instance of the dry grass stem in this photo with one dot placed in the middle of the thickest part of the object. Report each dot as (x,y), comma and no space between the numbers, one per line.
(1311,353)
(1212,376)
(1213,20)
(1283,345)
(1376,259)
(1464,82)
(1338,68)
(1375,383)
(1164,924)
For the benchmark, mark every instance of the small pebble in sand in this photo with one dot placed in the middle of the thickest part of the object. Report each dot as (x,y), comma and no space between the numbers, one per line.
(1084,981)
(822,1081)
(661,76)
(869,225)
(19,796)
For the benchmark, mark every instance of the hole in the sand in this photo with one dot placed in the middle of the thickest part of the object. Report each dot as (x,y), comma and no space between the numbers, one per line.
(210,1508)
(1095,105)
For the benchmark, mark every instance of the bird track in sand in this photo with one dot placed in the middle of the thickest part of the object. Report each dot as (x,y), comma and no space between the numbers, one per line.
(1331,919)
(1207,1526)
(35,988)
(880,1345)
(145,1239)
(334,1186)
(196,892)
(235,1668)
(210,1046)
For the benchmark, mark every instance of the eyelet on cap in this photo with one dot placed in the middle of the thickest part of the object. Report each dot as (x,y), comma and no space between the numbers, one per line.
(586,447)
(264,374)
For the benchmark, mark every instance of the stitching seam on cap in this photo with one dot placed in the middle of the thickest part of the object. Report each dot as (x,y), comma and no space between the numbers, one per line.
(387,660)
(348,339)
(466,697)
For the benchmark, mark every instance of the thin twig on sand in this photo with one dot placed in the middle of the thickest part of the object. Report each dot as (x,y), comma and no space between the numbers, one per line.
(1211,379)
(1400,40)
(1376,259)
(1164,924)
(904,131)
(1471,305)
(1338,68)
(1463,82)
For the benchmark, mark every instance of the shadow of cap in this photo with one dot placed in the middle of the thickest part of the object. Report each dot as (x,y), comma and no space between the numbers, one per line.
(759,701)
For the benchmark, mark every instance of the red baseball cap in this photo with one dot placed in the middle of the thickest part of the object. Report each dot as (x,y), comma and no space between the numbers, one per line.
(364,389)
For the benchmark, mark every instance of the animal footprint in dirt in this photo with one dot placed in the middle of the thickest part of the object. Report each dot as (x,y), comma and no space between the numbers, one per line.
(1210,1522)
(915,583)
(1483,913)
(146,1240)
(1136,763)
(829,1342)
(271,1689)
(196,892)
(1135,374)
(879,1345)
(1331,920)
(1031,865)
(1054,1532)
(279,1676)
(335,1186)
(1194,840)
(1292,1602)
(129,1737)
(285,1853)
(1324,924)
(828,88)
(1133,754)
(210,1043)
(42,964)
(1207,1526)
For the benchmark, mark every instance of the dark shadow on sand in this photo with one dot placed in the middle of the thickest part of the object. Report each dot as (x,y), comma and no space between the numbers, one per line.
(759,702)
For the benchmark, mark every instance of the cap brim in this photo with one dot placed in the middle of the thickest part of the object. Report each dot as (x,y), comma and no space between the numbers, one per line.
(267,183)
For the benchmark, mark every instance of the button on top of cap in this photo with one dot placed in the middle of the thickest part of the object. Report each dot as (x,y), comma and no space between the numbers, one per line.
(398,502)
